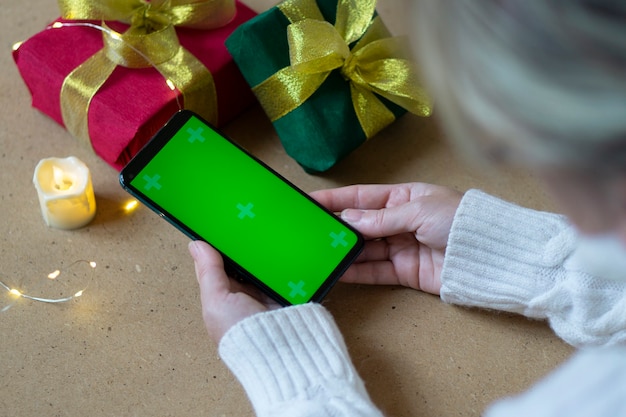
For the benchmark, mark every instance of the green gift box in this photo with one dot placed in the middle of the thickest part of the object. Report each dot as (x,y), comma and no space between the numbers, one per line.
(332,94)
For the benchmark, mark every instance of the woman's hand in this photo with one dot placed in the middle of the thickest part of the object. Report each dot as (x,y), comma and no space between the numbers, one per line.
(225,302)
(407,227)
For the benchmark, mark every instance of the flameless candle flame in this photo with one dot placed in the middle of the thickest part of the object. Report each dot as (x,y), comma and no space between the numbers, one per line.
(61,181)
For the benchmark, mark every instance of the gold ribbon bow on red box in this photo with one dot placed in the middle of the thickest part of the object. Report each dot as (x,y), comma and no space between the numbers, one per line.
(150,40)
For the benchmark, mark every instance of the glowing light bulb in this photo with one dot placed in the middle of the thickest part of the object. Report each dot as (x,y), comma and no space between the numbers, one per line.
(15,292)
(131,205)
(57,25)
(170,84)
(92,264)
(17,45)
(78,294)
(115,35)
(53,275)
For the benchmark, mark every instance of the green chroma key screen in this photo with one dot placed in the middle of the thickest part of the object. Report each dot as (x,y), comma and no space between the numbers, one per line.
(225,196)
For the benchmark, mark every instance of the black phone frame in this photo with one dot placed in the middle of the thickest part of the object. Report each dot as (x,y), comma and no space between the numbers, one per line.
(233,269)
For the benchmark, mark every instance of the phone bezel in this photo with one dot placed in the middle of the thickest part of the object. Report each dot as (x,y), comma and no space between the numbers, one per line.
(159,140)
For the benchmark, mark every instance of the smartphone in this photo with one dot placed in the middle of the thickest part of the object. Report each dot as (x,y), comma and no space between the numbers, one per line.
(268,231)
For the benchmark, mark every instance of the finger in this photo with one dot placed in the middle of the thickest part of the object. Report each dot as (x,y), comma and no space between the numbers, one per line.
(371,273)
(210,273)
(221,308)
(214,283)
(381,273)
(369,196)
(374,250)
(384,222)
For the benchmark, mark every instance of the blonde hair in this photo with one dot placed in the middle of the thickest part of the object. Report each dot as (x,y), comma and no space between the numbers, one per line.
(537,81)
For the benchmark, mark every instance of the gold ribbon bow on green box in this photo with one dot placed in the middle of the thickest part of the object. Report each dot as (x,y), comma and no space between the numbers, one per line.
(374,65)
(150,40)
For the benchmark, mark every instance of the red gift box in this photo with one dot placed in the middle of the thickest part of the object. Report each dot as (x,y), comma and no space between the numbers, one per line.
(133,104)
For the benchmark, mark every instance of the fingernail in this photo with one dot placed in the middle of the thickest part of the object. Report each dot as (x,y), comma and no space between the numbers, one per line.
(193,248)
(352,215)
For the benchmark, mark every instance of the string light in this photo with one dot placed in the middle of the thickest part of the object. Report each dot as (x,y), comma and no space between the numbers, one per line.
(53,276)
(170,84)
(116,36)
(130,206)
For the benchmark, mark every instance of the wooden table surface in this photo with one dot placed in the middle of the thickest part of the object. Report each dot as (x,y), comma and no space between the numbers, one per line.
(134,343)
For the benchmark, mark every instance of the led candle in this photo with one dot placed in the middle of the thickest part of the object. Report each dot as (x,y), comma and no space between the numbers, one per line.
(65,192)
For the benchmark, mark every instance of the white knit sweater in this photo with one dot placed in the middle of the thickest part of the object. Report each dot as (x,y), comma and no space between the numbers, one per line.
(293,362)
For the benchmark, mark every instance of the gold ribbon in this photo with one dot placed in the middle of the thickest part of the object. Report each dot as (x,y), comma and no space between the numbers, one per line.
(375,64)
(150,40)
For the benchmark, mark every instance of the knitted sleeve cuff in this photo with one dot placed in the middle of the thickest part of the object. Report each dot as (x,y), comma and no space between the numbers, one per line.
(505,257)
(502,256)
(294,360)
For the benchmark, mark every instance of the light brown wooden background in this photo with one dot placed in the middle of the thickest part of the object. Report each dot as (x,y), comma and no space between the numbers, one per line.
(134,344)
